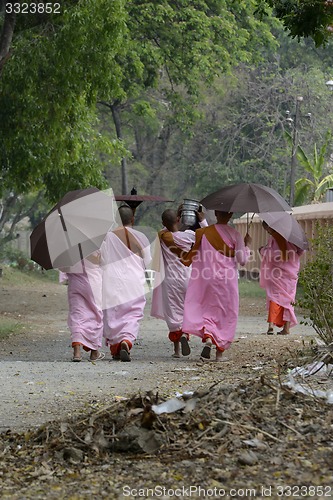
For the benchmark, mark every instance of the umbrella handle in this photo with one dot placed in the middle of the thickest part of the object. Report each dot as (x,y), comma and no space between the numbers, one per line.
(249,224)
(65,228)
(80,251)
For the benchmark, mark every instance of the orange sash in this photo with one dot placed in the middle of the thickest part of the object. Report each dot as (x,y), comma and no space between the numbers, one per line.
(129,240)
(275,314)
(282,244)
(212,236)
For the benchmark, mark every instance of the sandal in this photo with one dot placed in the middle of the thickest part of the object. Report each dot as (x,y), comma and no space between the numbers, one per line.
(282,332)
(186,351)
(270,331)
(77,359)
(99,357)
(205,353)
(124,352)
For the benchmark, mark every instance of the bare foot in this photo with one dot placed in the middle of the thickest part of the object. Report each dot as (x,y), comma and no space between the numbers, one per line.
(77,353)
(218,355)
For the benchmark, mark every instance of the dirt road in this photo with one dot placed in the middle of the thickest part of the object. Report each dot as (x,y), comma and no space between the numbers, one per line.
(40,383)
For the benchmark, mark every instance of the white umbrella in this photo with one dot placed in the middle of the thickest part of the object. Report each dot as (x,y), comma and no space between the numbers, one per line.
(74,228)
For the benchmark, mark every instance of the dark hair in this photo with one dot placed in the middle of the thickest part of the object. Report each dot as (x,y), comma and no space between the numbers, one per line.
(126,214)
(169,218)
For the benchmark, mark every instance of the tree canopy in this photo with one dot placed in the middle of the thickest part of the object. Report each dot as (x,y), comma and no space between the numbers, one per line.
(304,18)
(154,64)
(61,64)
(57,66)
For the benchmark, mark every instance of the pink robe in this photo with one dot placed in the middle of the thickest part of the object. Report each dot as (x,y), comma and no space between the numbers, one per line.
(63,278)
(172,280)
(123,287)
(85,316)
(279,278)
(211,303)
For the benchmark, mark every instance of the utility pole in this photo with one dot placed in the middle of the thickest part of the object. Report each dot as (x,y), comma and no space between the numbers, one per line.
(293,164)
(295,122)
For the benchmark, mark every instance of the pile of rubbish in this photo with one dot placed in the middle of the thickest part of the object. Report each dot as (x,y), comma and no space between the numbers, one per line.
(251,419)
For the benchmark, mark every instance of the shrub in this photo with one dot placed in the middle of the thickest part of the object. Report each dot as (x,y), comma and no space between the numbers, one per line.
(316,280)
(16,258)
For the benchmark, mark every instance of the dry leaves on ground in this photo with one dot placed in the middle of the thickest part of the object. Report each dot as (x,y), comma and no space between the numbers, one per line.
(256,433)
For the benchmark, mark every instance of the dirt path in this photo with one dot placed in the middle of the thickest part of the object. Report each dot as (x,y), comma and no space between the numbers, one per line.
(40,383)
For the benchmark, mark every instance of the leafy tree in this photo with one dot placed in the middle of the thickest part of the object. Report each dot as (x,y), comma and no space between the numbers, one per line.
(14,208)
(315,184)
(48,89)
(47,112)
(241,137)
(239,133)
(180,47)
(150,63)
(304,18)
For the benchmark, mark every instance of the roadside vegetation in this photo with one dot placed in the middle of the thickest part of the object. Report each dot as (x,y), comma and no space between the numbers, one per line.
(8,326)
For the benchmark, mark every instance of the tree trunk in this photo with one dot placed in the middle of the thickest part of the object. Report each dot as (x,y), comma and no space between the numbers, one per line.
(12,211)
(117,124)
(6,35)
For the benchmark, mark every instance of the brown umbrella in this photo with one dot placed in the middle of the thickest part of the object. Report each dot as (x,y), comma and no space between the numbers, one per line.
(286,225)
(245,197)
(134,200)
(74,228)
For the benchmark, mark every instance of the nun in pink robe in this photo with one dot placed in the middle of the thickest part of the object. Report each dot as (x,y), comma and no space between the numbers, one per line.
(125,254)
(168,297)
(212,301)
(170,285)
(171,280)
(280,263)
(85,315)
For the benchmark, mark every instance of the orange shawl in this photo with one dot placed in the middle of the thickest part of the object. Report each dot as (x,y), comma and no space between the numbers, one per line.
(212,236)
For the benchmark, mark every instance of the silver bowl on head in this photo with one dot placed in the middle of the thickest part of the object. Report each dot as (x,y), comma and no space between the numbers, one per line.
(188,213)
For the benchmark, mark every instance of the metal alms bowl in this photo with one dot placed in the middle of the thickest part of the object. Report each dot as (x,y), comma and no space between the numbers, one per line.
(188,213)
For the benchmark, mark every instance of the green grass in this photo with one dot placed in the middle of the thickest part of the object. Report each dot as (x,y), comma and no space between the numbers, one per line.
(248,288)
(13,276)
(8,326)
(251,289)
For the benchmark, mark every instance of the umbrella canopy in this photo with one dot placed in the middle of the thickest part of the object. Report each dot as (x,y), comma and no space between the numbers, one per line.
(245,197)
(134,199)
(286,225)
(74,228)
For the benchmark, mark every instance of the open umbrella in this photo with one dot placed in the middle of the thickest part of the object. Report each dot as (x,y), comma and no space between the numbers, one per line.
(286,225)
(245,197)
(74,228)
(134,199)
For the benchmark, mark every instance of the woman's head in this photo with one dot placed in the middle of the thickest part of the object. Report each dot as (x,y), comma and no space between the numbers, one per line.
(223,217)
(169,219)
(126,215)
